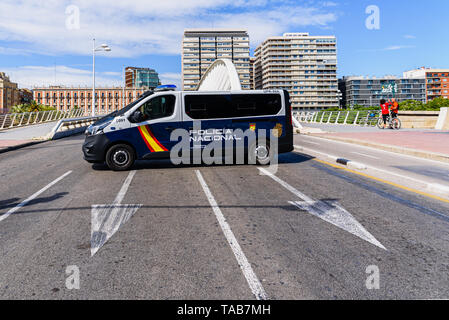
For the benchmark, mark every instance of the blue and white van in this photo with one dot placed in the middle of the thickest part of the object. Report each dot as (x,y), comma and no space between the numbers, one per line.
(143,129)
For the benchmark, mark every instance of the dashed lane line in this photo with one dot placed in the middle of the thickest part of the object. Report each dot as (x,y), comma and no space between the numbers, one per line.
(245,266)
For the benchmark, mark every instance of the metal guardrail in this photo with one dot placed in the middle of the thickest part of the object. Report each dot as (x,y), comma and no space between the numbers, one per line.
(350,117)
(13,120)
(67,127)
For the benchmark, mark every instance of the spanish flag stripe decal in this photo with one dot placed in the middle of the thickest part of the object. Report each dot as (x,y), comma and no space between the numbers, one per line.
(146,142)
(152,143)
(154,138)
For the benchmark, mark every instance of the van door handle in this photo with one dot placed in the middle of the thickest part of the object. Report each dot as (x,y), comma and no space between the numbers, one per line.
(170,128)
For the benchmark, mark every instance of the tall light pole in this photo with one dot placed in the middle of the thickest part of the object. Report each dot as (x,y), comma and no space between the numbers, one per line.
(124,84)
(103,47)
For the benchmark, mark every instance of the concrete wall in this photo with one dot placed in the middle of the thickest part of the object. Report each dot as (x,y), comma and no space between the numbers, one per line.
(419,119)
(443,120)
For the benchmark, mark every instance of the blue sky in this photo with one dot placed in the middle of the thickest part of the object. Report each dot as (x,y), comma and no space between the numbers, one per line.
(38,38)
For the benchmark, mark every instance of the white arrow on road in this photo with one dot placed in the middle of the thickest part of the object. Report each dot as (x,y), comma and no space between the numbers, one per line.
(108,218)
(331,212)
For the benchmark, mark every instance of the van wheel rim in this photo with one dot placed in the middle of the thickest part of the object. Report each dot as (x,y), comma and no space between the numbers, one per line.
(261,152)
(120,157)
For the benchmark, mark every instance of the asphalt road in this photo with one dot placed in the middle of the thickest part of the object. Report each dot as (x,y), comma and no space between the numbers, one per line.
(179,244)
(402,167)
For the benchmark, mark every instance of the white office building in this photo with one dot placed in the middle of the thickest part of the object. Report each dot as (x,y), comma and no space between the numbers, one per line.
(200,48)
(304,65)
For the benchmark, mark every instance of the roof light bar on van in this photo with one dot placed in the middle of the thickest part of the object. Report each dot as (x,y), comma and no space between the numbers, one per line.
(165,87)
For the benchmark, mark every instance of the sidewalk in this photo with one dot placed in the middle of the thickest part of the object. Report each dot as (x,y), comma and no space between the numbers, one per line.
(11,139)
(426,144)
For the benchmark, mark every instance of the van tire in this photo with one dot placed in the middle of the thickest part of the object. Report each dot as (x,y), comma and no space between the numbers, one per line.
(260,154)
(120,157)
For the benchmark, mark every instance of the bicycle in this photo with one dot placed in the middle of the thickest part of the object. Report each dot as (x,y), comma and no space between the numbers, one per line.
(393,122)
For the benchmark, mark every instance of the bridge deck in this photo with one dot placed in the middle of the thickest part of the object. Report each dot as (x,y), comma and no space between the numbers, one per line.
(21,135)
(174,247)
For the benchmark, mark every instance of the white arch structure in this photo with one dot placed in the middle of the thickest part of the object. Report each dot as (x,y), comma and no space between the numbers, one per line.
(220,76)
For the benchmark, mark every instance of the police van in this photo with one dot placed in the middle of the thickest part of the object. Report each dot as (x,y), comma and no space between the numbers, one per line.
(143,129)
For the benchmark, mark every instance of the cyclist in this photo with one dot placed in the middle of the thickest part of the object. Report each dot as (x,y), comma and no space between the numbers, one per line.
(385,106)
(394,108)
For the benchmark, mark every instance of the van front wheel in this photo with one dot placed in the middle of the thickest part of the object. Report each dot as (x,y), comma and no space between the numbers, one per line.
(120,157)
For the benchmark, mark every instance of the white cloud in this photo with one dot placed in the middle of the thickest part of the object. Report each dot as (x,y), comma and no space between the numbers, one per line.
(139,27)
(397,47)
(389,48)
(30,76)
(171,78)
(409,36)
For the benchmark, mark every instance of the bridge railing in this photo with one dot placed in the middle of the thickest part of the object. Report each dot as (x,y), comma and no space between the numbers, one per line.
(349,117)
(13,120)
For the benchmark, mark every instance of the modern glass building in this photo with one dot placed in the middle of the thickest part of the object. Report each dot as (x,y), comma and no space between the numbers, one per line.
(368,92)
(141,77)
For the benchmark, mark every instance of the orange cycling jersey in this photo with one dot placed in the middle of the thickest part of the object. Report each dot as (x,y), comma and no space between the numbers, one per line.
(395,107)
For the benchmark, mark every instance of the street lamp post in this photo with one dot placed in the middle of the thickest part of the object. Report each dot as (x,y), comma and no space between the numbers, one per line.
(103,47)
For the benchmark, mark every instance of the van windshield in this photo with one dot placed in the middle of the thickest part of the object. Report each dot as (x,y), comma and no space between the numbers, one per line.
(120,112)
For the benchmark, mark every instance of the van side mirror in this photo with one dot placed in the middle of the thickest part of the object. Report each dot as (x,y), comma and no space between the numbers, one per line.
(136,117)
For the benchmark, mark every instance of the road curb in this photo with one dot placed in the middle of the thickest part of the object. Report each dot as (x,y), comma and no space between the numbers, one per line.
(401,150)
(20,146)
(349,163)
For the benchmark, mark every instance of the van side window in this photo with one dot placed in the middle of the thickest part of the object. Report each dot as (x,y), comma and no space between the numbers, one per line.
(232,106)
(209,106)
(158,107)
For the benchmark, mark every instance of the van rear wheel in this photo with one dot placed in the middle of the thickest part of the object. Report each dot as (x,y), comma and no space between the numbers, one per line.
(260,154)
(120,157)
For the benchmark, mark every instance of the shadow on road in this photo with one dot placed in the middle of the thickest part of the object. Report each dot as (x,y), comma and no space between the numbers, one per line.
(286,207)
(287,158)
(13,202)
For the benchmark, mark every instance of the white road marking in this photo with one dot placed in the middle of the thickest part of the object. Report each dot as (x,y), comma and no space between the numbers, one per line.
(365,155)
(309,142)
(372,149)
(303,149)
(32,197)
(251,278)
(389,173)
(124,188)
(107,219)
(329,212)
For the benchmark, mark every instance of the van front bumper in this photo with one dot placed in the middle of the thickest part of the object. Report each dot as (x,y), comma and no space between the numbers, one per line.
(94,148)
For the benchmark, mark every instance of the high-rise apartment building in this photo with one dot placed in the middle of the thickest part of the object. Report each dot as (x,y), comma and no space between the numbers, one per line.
(252,66)
(200,48)
(304,65)
(9,93)
(141,78)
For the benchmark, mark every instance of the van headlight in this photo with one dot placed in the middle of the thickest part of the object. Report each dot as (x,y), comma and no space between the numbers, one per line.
(98,129)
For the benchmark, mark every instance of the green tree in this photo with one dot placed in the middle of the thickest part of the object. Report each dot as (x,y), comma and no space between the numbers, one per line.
(33,106)
(438,103)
